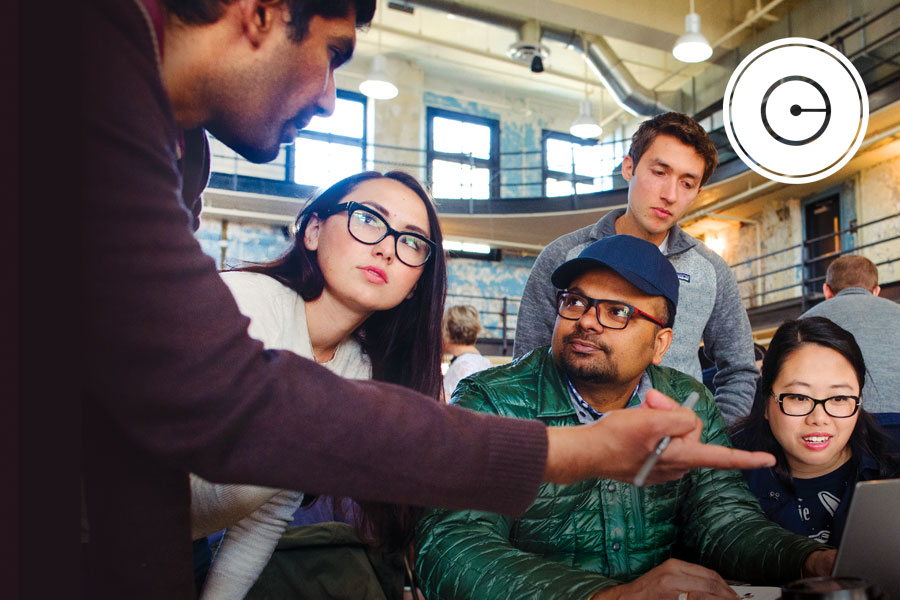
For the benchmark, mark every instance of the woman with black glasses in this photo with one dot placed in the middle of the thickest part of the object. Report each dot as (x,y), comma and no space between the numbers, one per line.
(361,291)
(808,412)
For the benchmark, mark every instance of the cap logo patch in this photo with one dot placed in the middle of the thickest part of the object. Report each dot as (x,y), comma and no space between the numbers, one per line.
(683,277)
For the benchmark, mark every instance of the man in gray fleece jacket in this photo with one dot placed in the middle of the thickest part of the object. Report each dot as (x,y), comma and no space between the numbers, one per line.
(851,300)
(670,159)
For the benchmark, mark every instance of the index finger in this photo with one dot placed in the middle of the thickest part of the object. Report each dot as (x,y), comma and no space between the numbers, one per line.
(691,454)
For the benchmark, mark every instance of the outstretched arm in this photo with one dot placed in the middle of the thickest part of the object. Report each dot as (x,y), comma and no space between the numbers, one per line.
(624,438)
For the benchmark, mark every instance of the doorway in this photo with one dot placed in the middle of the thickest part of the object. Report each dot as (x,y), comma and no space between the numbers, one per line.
(822,244)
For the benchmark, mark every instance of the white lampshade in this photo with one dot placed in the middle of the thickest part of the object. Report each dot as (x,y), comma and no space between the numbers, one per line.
(378,85)
(585,126)
(692,47)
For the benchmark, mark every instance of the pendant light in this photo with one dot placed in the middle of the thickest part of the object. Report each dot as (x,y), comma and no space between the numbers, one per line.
(692,47)
(584,126)
(378,85)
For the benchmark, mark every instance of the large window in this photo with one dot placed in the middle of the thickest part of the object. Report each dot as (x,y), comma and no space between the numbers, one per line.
(327,150)
(332,148)
(576,166)
(463,155)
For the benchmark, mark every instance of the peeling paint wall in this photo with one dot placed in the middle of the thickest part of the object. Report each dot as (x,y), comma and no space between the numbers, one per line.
(875,194)
(878,196)
(484,285)
(397,126)
(781,229)
(247,242)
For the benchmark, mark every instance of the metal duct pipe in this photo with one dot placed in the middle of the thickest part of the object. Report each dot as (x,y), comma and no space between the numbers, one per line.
(625,89)
(608,67)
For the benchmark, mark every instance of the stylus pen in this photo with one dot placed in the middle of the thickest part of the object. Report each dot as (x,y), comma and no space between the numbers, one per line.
(641,477)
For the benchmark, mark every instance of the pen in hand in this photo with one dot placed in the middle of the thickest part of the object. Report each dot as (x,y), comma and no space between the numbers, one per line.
(641,477)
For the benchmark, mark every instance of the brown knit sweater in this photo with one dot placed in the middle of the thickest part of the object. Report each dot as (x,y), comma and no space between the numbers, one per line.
(172,383)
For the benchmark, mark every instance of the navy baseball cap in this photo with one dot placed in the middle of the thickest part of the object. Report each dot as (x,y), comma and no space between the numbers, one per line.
(638,261)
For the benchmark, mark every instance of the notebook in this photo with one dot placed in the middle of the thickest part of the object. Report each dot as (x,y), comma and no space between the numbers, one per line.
(870,547)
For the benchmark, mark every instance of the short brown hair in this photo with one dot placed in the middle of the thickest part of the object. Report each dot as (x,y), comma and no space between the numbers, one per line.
(684,129)
(851,271)
(461,325)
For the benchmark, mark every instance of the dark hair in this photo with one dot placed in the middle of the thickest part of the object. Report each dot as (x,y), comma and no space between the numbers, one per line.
(403,343)
(759,351)
(867,438)
(670,313)
(204,12)
(681,127)
(851,271)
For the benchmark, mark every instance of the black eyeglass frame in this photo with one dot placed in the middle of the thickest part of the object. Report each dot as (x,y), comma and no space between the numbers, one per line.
(352,207)
(824,402)
(595,304)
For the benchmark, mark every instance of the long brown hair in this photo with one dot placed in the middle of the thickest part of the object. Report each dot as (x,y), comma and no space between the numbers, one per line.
(403,343)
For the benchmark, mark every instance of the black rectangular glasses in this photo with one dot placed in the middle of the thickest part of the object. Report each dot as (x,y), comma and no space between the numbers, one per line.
(800,405)
(367,226)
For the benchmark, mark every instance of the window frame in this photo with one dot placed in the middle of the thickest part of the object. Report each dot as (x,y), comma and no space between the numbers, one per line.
(333,138)
(492,163)
(286,186)
(547,134)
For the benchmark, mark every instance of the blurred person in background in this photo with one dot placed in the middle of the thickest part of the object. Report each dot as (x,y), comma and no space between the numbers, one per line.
(852,301)
(461,328)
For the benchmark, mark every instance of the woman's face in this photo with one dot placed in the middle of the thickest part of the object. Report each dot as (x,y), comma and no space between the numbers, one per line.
(367,278)
(816,444)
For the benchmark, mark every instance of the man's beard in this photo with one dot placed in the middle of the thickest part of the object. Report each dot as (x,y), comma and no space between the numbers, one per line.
(598,368)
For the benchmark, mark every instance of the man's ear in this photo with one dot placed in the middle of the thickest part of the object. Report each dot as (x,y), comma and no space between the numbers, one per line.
(661,344)
(876,290)
(627,167)
(826,289)
(311,234)
(258,18)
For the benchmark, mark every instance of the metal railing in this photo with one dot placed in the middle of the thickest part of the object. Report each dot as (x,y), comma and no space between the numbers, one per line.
(498,316)
(846,240)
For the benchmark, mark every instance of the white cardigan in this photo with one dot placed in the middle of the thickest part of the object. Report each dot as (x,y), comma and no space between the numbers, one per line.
(255,517)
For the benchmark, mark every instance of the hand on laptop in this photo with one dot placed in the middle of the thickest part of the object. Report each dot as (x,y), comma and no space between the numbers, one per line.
(671,577)
(616,446)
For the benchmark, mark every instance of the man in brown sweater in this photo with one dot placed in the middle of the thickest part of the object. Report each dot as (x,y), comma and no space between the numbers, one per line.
(172,382)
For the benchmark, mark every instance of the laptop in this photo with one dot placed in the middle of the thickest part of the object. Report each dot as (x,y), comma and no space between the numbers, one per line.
(870,547)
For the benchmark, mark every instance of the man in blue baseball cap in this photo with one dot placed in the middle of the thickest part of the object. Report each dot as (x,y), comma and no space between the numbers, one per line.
(615,307)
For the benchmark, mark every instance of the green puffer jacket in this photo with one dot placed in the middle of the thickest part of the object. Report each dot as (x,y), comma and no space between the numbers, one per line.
(577,539)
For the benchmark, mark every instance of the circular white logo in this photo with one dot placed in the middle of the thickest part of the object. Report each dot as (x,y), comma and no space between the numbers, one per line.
(795,110)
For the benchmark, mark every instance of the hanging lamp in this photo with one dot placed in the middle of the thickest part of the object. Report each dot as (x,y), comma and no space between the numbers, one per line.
(692,47)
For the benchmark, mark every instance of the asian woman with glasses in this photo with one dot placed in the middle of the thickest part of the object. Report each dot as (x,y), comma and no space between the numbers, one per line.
(808,412)
(360,290)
